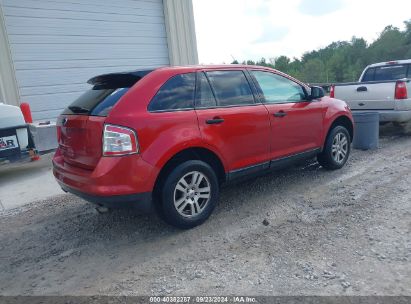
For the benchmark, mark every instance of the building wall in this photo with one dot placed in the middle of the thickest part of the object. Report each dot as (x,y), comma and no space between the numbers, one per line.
(55,46)
(181,34)
(8,86)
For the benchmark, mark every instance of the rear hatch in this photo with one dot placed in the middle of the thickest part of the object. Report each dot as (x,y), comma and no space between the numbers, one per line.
(80,126)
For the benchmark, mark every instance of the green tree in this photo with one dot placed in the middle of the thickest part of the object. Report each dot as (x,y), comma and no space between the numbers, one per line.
(282,63)
(390,45)
(313,72)
(408,32)
(343,61)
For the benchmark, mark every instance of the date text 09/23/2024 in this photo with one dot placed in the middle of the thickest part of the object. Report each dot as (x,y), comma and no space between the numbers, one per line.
(203,299)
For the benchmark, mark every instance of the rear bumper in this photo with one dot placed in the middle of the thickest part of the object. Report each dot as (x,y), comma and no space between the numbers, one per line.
(115,182)
(140,201)
(390,115)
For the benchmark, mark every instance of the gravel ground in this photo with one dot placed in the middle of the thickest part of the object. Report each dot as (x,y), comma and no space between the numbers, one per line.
(301,231)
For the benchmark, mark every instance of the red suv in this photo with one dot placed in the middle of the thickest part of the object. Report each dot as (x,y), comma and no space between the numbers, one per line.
(168,138)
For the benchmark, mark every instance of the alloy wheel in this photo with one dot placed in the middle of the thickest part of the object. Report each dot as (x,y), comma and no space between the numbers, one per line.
(192,194)
(339,147)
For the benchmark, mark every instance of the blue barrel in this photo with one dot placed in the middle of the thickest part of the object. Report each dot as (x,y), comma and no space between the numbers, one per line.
(366,130)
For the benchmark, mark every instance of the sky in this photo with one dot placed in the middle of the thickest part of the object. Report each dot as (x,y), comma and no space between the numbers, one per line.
(252,29)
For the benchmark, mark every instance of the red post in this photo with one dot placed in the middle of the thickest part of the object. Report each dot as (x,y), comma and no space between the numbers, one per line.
(34,155)
(25,109)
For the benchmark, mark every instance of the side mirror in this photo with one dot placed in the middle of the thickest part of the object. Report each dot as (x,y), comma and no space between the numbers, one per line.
(316,93)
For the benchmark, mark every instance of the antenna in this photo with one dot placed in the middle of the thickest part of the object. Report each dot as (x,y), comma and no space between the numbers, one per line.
(233,58)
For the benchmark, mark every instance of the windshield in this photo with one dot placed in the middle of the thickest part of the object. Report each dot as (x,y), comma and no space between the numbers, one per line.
(96,102)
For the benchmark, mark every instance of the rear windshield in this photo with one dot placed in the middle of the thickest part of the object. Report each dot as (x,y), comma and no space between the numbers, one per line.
(106,92)
(96,102)
(390,72)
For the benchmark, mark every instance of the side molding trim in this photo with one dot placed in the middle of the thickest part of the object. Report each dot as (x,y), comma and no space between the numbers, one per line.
(272,165)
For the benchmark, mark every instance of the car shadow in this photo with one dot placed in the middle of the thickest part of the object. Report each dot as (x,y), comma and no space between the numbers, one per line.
(125,221)
(72,220)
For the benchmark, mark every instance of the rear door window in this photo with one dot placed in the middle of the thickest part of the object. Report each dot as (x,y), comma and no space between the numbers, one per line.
(204,96)
(176,94)
(393,72)
(231,88)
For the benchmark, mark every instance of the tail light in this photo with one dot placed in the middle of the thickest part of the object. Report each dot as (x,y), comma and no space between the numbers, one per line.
(118,141)
(332,91)
(401,90)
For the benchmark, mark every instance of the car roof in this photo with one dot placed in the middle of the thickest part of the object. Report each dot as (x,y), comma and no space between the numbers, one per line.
(135,75)
(392,62)
(131,77)
(197,67)
(194,68)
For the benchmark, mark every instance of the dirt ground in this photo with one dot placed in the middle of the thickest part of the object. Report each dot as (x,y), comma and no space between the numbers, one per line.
(344,232)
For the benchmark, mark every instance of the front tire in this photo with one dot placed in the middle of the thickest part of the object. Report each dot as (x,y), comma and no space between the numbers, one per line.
(336,150)
(189,194)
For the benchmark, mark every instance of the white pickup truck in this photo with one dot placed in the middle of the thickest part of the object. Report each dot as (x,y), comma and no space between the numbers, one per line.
(383,87)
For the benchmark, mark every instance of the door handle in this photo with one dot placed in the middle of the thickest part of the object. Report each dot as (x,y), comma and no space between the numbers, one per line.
(362,89)
(280,114)
(214,121)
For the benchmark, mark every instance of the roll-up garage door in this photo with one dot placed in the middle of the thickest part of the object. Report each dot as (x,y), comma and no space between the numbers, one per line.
(57,45)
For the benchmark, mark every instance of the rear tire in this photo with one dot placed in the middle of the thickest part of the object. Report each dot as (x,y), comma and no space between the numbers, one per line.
(336,150)
(189,194)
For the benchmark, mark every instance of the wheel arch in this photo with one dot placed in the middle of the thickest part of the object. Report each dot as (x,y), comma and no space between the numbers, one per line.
(192,153)
(344,121)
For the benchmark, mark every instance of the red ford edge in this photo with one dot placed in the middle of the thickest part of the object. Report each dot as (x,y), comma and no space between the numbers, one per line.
(166,139)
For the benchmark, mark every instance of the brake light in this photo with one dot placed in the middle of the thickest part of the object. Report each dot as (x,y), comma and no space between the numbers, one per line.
(401,90)
(332,91)
(119,141)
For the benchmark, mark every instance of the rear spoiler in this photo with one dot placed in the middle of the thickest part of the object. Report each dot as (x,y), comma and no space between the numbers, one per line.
(117,80)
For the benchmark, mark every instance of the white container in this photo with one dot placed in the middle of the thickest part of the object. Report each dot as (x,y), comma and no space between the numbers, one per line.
(11,116)
(44,136)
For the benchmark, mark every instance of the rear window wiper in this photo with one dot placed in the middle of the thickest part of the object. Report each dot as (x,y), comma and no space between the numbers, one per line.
(77,109)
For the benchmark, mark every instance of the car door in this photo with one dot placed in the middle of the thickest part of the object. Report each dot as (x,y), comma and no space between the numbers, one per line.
(231,121)
(296,123)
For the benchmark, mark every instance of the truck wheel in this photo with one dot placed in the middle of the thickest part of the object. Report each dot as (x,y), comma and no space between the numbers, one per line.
(189,194)
(336,149)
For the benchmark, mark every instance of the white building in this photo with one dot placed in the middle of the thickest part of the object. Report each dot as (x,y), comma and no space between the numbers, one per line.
(50,48)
